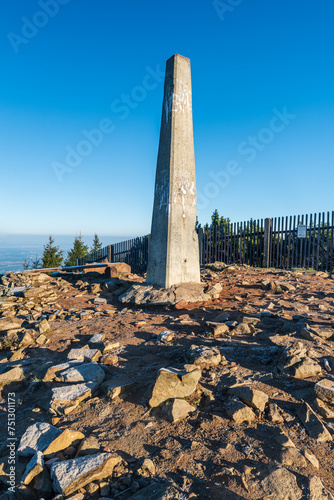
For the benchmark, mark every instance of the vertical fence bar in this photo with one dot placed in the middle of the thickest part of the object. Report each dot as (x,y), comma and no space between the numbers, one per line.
(318,243)
(332,244)
(309,243)
(261,243)
(327,241)
(278,241)
(293,249)
(313,253)
(257,243)
(268,225)
(323,241)
(305,243)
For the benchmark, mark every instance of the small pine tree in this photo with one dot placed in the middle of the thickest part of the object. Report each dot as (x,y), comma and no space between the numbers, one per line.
(198,224)
(215,218)
(79,250)
(223,220)
(26,262)
(52,255)
(36,263)
(97,244)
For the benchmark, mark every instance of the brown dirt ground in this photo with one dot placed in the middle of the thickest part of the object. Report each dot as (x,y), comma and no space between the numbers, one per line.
(207,454)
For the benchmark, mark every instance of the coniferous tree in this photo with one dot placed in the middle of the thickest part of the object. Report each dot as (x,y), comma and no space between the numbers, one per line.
(79,250)
(26,262)
(97,244)
(52,255)
(36,263)
(224,220)
(215,218)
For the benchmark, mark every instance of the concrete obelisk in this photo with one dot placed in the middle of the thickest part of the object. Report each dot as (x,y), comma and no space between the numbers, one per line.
(173,252)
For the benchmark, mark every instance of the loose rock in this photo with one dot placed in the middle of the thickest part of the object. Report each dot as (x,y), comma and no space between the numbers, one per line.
(70,475)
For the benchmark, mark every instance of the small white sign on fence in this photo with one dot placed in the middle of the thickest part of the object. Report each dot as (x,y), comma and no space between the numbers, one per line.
(301,231)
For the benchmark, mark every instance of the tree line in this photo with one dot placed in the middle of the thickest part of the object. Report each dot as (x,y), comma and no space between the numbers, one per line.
(54,257)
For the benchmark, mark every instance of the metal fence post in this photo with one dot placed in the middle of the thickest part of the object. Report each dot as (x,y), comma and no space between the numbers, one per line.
(268,227)
(200,245)
(110,253)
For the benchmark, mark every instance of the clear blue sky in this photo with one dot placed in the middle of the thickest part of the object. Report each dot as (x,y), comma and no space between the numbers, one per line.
(67,75)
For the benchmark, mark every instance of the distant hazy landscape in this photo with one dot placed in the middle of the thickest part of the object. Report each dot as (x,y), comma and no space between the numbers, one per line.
(14,247)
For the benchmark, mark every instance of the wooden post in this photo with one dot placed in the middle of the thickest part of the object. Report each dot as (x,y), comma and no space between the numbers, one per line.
(268,227)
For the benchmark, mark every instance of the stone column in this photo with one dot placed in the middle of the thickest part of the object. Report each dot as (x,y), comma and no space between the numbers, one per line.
(173,252)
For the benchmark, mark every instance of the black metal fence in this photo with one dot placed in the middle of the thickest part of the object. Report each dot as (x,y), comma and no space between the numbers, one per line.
(133,252)
(300,241)
(232,243)
(98,256)
(303,241)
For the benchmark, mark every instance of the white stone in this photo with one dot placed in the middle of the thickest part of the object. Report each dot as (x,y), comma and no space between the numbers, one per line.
(84,354)
(70,475)
(87,372)
(36,438)
(68,397)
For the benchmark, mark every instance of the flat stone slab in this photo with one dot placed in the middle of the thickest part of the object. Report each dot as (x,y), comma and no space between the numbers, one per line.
(70,475)
(84,354)
(10,324)
(66,399)
(142,294)
(87,372)
(53,371)
(65,439)
(36,438)
(16,290)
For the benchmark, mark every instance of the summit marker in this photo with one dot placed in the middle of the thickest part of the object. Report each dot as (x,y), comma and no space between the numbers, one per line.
(173,252)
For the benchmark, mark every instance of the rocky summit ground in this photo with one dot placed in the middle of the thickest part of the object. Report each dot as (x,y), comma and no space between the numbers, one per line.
(232,398)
